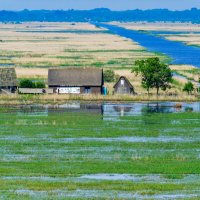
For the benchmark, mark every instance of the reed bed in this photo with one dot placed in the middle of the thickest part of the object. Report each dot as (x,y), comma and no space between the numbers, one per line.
(47,45)
(189,39)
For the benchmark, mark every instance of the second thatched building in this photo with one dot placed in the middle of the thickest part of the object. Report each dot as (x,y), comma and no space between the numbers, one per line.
(76,80)
(123,86)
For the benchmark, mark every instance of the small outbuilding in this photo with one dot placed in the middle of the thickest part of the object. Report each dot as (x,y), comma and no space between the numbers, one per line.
(76,80)
(8,80)
(123,86)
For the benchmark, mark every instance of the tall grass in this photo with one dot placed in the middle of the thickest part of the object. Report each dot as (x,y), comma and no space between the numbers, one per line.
(57,99)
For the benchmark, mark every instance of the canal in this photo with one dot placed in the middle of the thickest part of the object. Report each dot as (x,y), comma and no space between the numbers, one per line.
(179,52)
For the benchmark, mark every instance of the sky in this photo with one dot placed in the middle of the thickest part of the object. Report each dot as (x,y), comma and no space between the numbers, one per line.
(91,4)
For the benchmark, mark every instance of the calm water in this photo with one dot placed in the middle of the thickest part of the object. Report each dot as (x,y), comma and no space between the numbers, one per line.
(6,64)
(111,110)
(172,32)
(178,51)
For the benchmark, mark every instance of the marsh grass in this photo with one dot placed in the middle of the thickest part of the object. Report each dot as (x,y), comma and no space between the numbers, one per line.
(37,146)
(80,45)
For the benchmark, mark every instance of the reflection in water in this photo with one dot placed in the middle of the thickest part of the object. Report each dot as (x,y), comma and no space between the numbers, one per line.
(74,107)
(122,109)
(133,109)
(109,110)
(77,107)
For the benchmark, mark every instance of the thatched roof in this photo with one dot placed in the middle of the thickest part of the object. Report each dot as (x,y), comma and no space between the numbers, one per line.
(75,77)
(128,82)
(8,77)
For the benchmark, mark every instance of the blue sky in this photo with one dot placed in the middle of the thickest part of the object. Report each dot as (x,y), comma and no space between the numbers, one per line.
(90,4)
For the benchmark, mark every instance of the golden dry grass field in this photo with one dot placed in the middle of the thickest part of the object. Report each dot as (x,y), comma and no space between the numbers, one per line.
(46,45)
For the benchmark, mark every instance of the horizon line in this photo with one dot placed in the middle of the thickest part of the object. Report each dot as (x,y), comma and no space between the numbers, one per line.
(71,9)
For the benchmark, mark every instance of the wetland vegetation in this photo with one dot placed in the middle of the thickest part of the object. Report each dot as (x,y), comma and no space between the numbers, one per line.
(102,152)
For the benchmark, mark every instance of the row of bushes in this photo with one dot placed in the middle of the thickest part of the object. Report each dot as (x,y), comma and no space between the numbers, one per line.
(26,83)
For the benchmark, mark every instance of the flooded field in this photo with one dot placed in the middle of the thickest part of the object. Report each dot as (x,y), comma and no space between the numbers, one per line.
(179,52)
(100,151)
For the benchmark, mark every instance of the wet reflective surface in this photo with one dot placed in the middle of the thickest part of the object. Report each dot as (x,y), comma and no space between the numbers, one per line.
(88,151)
(108,110)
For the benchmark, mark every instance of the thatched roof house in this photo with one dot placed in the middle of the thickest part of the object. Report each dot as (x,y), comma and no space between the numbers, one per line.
(76,80)
(123,86)
(8,78)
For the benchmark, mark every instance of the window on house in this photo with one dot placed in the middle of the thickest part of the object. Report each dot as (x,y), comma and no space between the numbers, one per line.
(87,90)
(122,82)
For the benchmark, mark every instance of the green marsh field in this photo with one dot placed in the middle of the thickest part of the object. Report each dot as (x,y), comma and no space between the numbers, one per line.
(98,153)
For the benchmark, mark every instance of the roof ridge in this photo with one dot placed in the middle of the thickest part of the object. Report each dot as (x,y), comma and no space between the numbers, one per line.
(75,76)
(69,68)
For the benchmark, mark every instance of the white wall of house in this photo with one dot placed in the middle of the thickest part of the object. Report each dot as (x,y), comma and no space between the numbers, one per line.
(68,90)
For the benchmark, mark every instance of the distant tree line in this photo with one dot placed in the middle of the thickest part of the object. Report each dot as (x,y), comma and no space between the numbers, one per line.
(100,15)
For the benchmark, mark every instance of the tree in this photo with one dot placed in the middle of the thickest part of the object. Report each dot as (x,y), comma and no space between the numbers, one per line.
(143,69)
(188,87)
(109,76)
(154,74)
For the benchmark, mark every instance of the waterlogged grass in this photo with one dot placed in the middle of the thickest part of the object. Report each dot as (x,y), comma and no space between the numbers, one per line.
(47,153)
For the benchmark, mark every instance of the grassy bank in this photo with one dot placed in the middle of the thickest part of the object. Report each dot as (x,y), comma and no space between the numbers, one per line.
(59,99)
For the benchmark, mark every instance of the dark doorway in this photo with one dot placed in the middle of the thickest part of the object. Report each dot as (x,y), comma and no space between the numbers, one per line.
(87,90)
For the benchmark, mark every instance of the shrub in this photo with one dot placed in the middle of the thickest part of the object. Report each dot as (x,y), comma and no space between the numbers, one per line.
(98,64)
(39,84)
(109,76)
(188,87)
(26,83)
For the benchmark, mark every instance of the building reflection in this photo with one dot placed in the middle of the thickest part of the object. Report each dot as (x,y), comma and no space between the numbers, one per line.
(109,110)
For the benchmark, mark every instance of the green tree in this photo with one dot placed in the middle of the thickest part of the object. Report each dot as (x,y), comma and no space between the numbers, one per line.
(188,87)
(155,74)
(143,69)
(109,76)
